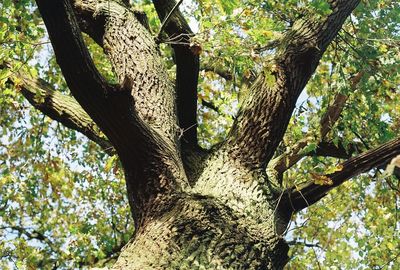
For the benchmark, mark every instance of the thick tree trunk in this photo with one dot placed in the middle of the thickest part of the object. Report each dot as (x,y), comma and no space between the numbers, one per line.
(192,209)
(224,224)
(214,213)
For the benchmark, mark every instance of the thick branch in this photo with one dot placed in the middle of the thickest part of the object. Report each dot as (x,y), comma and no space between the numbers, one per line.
(187,67)
(138,116)
(135,59)
(298,198)
(335,109)
(73,56)
(264,116)
(61,108)
(85,82)
(166,19)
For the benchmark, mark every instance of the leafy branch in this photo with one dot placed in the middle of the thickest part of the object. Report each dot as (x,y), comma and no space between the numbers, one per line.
(299,197)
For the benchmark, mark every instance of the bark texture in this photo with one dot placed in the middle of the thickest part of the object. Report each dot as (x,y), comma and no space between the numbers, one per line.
(60,107)
(194,209)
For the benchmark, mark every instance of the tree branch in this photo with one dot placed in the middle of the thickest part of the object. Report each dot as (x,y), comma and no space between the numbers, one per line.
(305,244)
(136,116)
(167,18)
(210,105)
(300,197)
(74,59)
(332,114)
(223,73)
(187,67)
(328,120)
(61,108)
(265,114)
(140,68)
(291,157)
(329,149)
(32,234)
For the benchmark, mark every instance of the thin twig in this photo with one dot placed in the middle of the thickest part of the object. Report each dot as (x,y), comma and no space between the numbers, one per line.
(181,131)
(310,245)
(316,258)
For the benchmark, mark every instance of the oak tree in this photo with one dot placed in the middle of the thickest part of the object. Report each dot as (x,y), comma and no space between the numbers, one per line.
(217,155)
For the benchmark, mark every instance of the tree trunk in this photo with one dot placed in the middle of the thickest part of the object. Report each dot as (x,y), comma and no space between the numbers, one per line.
(221,223)
(193,209)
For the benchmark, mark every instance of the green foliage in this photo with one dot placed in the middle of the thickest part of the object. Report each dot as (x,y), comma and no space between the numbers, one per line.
(61,202)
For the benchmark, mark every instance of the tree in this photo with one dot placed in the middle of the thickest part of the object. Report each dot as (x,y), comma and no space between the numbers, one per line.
(225,206)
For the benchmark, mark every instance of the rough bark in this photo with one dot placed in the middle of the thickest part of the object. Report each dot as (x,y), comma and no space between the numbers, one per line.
(220,210)
(187,68)
(187,64)
(60,107)
(256,133)
(142,133)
